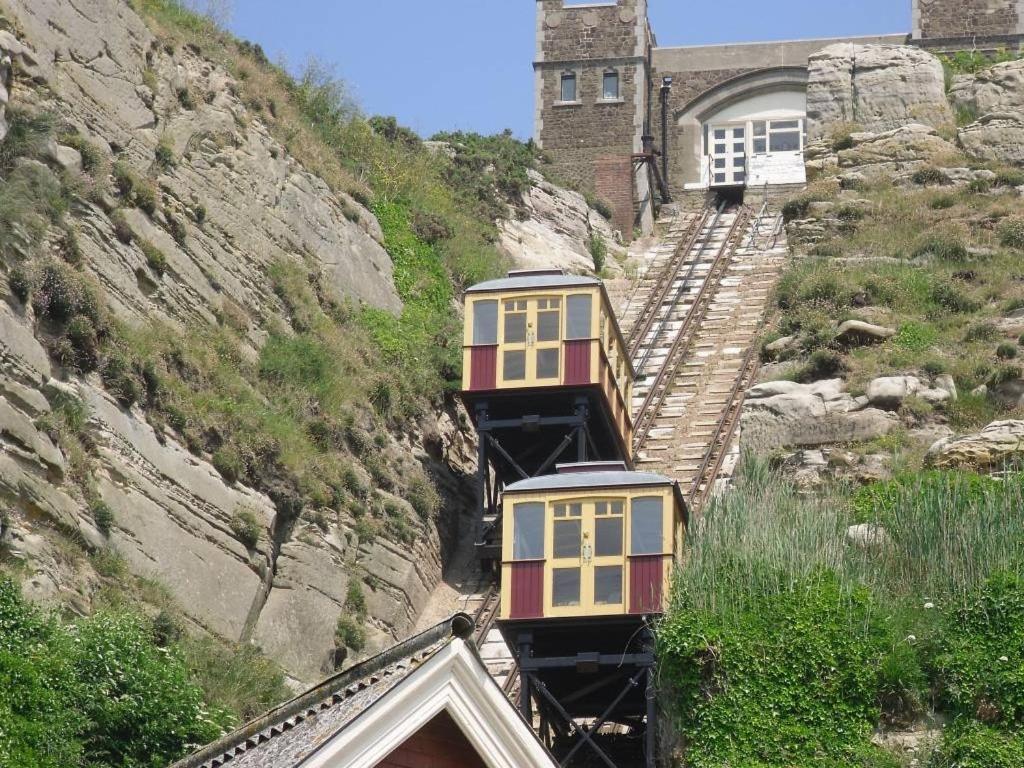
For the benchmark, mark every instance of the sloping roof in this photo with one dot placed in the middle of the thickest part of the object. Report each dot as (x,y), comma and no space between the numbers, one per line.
(532,281)
(612,479)
(288,734)
(303,728)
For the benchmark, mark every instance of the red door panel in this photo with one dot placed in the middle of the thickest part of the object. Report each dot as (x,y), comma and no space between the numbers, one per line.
(645,584)
(577,362)
(483,363)
(527,590)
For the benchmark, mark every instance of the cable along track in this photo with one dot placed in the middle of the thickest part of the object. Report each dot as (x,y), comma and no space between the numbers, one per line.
(680,340)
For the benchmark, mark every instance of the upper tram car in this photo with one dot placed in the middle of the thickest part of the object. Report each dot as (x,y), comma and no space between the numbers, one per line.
(540,344)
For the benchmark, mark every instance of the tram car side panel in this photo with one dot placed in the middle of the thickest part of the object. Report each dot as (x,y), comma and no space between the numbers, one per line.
(589,544)
(546,334)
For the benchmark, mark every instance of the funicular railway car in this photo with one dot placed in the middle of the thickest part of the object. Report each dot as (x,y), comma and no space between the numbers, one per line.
(587,558)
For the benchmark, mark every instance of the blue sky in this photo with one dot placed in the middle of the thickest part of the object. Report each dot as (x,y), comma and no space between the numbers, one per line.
(466,64)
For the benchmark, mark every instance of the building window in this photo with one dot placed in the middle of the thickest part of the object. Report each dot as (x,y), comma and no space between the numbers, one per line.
(528,533)
(608,528)
(760,137)
(568,91)
(784,136)
(610,88)
(485,322)
(568,530)
(578,323)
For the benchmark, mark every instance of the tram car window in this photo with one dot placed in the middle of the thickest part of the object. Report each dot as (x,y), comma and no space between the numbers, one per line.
(592,540)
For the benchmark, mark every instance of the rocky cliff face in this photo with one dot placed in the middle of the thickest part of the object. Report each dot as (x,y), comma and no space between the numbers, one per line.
(231,203)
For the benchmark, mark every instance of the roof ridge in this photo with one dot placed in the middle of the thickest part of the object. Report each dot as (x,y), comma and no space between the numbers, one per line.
(328,692)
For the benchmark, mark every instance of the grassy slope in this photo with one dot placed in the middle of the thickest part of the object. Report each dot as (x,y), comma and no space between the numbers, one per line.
(787,646)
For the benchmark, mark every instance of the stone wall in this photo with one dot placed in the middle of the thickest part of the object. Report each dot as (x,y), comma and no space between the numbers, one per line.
(964,19)
(579,136)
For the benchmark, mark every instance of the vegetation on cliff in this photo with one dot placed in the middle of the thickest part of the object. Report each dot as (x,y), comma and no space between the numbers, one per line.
(788,643)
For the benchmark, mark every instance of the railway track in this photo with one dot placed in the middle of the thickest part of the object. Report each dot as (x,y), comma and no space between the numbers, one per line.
(499,660)
(696,343)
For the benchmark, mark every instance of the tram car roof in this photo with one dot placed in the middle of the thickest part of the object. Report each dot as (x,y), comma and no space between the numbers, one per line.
(597,475)
(533,279)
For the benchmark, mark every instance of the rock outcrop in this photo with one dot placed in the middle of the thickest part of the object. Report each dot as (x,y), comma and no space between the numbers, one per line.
(995,97)
(784,414)
(998,443)
(237,203)
(556,231)
(876,87)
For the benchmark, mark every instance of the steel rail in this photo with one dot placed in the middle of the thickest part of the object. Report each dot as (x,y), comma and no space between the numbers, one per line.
(661,386)
(662,286)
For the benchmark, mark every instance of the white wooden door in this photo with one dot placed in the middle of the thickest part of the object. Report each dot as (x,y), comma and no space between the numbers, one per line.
(727,152)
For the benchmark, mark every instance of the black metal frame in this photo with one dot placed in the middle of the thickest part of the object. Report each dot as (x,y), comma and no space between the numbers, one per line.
(635,668)
(489,446)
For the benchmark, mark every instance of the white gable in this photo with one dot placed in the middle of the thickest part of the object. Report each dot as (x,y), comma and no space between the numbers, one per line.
(454,679)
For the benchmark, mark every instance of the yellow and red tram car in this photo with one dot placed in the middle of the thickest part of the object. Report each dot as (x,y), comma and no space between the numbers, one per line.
(593,540)
(535,339)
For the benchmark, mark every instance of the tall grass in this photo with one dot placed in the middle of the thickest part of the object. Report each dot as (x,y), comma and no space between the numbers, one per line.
(946,533)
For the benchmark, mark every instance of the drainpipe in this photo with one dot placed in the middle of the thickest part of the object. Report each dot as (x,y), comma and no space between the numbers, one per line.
(666,90)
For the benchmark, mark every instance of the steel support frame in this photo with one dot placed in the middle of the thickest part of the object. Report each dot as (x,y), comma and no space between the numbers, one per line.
(490,447)
(531,685)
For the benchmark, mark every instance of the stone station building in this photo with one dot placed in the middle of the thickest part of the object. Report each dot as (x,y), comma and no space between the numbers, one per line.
(735,115)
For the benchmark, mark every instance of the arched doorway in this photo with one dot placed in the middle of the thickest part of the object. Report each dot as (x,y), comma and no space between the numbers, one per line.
(745,132)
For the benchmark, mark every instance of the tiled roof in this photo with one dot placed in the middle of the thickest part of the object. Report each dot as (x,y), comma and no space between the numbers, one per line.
(287,735)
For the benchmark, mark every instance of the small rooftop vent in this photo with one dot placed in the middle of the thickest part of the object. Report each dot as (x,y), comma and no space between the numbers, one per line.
(536,272)
(590,466)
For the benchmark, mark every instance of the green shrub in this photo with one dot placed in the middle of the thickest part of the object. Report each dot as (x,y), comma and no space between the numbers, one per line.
(154,257)
(942,202)
(355,600)
(20,284)
(972,745)
(349,634)
(598,252)
(246,528)
(797,207)
(1011,233)
(28,133)
(602,206)
(236,678)
(145,197)
(60,293)
(942,247)
(227,461)
(125,179)
(1009,177)
(423,497)
(428,227)
(101,693)
(979,186)
(119,379)
(102,515)
(1006,351)
(902,686)
(822,364)
(84,341)
(930,176)
(177,228)
(164,154)
(952,299)
(1020,340)
(122,230)
(982,332)
(185,98)
(916,337)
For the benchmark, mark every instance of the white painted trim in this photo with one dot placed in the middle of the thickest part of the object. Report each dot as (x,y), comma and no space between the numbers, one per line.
(915,16)
(454,679)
